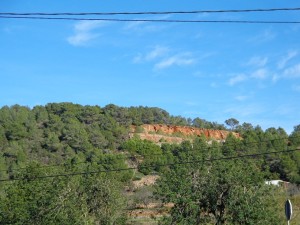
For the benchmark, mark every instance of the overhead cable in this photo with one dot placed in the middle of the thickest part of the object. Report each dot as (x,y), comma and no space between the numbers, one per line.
(154,154)
(146,13)
(150,166)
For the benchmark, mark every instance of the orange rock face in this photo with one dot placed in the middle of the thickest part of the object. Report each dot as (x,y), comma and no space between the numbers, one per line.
(156,132)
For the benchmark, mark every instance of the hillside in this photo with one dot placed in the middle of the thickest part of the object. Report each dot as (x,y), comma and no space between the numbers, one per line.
(103,164)
(161,133)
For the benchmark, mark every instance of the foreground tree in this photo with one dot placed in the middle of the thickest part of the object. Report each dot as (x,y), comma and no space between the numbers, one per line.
(86,199)
(219,192)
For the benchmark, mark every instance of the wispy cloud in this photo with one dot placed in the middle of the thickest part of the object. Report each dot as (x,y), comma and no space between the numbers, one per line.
(84,31)
(282,63)
(265,36)
(142,27)
(292,72)
(257,61)
(154,54)
(260,74)
(237,79)
(133,25)
(157,52)
(181,59)
(256,75)
(275,78)
(163,57)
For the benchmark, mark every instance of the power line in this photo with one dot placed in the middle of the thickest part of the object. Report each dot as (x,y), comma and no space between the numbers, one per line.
(145,155)
(151,20)
(150,166)
(147,13)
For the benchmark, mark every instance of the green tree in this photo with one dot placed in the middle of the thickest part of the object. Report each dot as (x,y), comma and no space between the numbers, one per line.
(86,199)
(104,200)
(46,201)
(232,123)
(231,146)
(219,192)
(51,142)
(75,136)
(294,138)
(3,140)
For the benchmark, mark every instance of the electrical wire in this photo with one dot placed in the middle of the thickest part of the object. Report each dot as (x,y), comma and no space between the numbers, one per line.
(151,166)
(147,13)
(145,155)
(151,20)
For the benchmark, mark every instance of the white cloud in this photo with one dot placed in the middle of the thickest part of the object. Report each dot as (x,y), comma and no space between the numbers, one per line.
(80,39)
(292,72)
(282,63)
(275,78)
(84,31)
(257,61)
(265,36)
(156,53)
(133,25)
(237,79)
(260,74)
(164,57)
(86,26)
(182,59)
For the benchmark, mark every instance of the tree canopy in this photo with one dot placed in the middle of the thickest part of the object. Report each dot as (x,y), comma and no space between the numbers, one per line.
(65,163)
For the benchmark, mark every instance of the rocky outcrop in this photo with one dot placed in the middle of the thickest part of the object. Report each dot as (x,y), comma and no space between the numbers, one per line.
(158,138)
(176,134)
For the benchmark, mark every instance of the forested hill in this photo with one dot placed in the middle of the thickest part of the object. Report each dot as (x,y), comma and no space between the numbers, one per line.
(78,162)
(65,128)
(60,131)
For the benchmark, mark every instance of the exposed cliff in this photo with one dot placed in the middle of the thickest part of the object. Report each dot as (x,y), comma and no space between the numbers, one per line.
(176,134)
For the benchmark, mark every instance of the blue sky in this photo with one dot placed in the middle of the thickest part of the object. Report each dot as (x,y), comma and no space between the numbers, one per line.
(213,71)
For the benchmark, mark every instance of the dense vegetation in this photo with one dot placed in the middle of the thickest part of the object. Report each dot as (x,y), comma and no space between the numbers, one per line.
(52,160)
